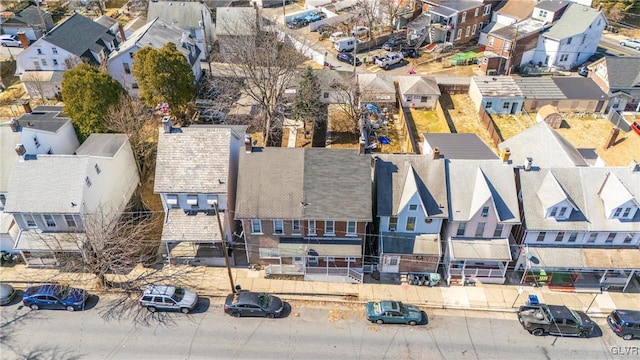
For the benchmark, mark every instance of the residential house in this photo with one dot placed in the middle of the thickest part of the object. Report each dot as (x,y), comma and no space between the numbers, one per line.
(193,17)
(156,34)
(456,146)
(51,206)
(196,175)
(496,95)
(378,89)
(455,21)
(68,44)
(615,76)
(114,27)
(549,11)
(418,91)
(134,24)
(568,94)
(305,211)
(337,87)
(542,146)
(411,205)
(233,25)
(511,12)
(572,39)
(510,47)
(581,227)
(41,131)
(33,21)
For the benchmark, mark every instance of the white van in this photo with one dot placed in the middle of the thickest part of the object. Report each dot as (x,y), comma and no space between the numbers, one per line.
(339,35)
(346,44)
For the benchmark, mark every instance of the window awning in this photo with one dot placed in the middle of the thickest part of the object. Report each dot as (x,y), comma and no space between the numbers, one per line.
(287,250)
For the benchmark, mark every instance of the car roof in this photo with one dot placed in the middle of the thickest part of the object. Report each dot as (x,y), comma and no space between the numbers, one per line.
(7,36)
(390,305)
(247,297)
(560,312)
(628,315)
(47,289)
(159,290)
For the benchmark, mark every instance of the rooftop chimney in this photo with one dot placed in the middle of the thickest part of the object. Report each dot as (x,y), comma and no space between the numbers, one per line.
(122,35)
(166,124)
(436,153)
(247,143)
(362,146)
(612,137)
(14,124)
(27,107)
(506,153)
(23,39)
(599,7)
(20,150)
(527,164)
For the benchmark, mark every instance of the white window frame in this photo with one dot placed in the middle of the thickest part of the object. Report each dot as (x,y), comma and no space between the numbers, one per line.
(573,237)
(256,224)
(610,238)
(563,212)
(311,227)
(192,200)
(467,32)
(313,260)
(488,105)
(350,259)
(559,236)
(464,17)
(395,227)
(497,232)
(628,238)
(554,212)
(541,235)
(295,227)
(592,238)
(627,212)
(278,224)
(475,13)
(54,51)
(462,228)
(70,220)
(329,259)
(46,218)
(26,217)
(485,212)
(406,226)
(491,38)
(459,36)
(480,229)
(353,224)
(473,29)
(413,207)
(329,230)
(486,10)
(172,201)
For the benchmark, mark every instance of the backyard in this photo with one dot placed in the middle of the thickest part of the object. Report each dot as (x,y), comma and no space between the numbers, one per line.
(510,125)
(465,118)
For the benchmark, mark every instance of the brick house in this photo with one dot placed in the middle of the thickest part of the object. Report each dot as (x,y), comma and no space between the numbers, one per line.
(457,22)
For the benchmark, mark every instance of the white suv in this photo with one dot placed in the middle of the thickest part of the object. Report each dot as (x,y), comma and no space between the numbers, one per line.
(10,40)
(632,43)
(161,297)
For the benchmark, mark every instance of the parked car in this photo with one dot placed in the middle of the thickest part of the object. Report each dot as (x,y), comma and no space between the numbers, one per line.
(55,296)
(346,44)
(625,323)
(632,43)
(315,16)
(324,28)
(410,53)
(338,35)
(556,320)
(297,23)
(348,58)
(359,31)
(392,312)
(162,297)
(7,292)
(10,40)
(394,43)
(248,303)
(388,60)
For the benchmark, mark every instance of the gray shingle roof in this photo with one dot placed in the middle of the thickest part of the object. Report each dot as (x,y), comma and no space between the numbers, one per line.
(459,146)
(40,186)
(583,185)
(471,182)
(552,5)
(79,34)
(44,118)
(34,16)
(184,14)
(296,183)
(391,172)
(545,146)
(497,86)
(106,21)
(8,156)
(373,85)
(195,159)
(102,145)
(234,21)
(193,228)
(621,71)
(575,20)
(540,88)
(579,88)
(417,85)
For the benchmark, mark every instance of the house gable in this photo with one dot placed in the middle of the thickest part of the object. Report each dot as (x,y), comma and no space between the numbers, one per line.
(410,194)
(616,197)
(556,203)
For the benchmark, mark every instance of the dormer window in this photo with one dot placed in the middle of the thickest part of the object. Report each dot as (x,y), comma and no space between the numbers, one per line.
(485,211)
(98,170)
(563,211)
(413,207)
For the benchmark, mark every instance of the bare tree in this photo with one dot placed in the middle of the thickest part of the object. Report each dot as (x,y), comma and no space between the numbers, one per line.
(132,117)
(36,86)
(389,10)
(265,60)
(348,102)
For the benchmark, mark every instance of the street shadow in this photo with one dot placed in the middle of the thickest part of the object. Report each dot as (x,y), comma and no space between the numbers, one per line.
(91,302)
(447,104)
(54,353)
(286,310)
(202,306)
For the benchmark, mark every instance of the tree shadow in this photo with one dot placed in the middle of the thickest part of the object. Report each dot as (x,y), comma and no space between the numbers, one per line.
(53,353)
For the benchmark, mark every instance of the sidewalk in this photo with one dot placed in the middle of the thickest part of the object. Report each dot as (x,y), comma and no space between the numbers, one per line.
(214,282)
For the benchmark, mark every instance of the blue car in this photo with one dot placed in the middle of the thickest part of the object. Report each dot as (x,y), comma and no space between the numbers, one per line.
(313,17)
(53,296)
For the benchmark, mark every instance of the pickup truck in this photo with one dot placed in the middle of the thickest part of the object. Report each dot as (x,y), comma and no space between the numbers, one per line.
(556,320)
(389,59)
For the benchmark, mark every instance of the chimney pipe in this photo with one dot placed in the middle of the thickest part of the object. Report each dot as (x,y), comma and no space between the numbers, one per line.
(436,153)
(122,35)
(599,7)
(27,107)
(612,137)
(14,124)
(23,39)
(20,150)
(506,153)
(527,164)
(166,124)
(361,146)
(247,144)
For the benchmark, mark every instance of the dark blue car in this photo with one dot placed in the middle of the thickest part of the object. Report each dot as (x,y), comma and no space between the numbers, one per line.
(54,296)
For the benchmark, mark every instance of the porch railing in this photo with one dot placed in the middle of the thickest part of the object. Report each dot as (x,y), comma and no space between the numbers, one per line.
(275,269)
(477,272)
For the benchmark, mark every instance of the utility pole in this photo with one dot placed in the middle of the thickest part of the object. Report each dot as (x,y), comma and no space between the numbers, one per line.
(224,248)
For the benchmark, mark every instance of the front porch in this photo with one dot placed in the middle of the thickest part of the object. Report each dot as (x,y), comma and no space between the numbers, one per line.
(313,273)
(48,249)
(476,260)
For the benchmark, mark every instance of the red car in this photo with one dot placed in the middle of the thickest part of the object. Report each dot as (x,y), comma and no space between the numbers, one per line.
(636,127)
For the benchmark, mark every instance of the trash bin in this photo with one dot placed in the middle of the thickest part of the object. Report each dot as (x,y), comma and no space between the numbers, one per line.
(533,300)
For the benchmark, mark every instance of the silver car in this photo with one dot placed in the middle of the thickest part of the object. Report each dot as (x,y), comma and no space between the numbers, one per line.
(10,40)
(632,43)
(162,297)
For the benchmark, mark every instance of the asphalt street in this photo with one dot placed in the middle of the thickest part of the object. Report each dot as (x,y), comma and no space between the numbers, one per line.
(308,331)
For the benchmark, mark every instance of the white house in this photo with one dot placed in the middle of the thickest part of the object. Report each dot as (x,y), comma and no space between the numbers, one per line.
(156,34)
(418,91)
(75,40)
(582,223)
(196,173)
(49,205)
(32,21)
(411,207)
(193,17)
(572,39)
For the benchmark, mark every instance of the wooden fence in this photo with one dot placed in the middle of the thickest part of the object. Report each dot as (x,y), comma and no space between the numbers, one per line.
(490,126)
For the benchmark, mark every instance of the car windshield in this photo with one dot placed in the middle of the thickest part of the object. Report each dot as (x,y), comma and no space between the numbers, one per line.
(577,317)
(376,308)
(403,309)
(63,293)
(178,294)
(263,300)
